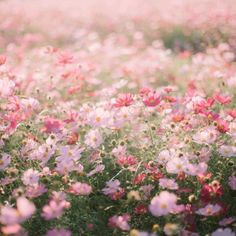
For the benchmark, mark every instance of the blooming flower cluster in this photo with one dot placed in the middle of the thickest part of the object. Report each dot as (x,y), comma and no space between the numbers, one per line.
(117,119)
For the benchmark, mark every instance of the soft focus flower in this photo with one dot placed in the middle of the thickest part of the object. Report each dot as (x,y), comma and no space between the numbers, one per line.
(163,204)
(58,232)
(30,177)
(223,232)
(24,210)
(120,222)
(168,183)
(80,189)
(4,161)
(93,138)
(232,182)
(209,210)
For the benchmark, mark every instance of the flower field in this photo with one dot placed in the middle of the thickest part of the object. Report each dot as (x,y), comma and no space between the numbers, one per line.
(118,117)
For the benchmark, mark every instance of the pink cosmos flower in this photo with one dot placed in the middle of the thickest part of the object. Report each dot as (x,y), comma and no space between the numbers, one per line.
(54,209)
(80,189)
(168,183)
(52,125)
(163,204)
(209,210)
(227,221)
(93,138)
(24,210)
(113,190)
(207,135)
(232,182)
(4,161)
(67,165)
(196,169)
(126,160)
(11,229)
(223,232)
(120,222)
(227,151)
(35,191)
(58,232)
(7,87)
(98,169)
(112,186)
(66,152)
(124,100)
(65,58)
(30,177)
(119,151)
(98,117)
(151,99)
(164,156)
(222,99)
(188,233)
(177,165)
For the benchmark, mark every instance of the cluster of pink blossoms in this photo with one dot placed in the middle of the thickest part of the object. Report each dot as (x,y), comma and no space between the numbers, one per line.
(117,118)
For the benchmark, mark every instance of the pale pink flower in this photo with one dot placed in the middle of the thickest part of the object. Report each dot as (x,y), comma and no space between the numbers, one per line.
(168,183)
(227,221)
(30,177)
(93,138)
(58,232)
(35,191)
(196,169)
(188,233)
(223,232)
(163,204)
(207,135)
(119,151)
(120,222)
(68,152)
(80,189)
(176,165)
(232,182)
(4,161)
(112,186)
(98,117)
(164,156)
(67,165)
(54,209)
(227,151)
(209,210)
(98,169)
(24,210)
(7,87)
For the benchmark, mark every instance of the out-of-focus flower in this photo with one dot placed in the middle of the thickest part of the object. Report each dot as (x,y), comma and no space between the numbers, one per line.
(223,232)
(93,138)
(58,232)
(120,222)
(30,177)
(209,210)
(163,204)
(168,183)
(80,189)
(4,161)
(24,210)
(232,182)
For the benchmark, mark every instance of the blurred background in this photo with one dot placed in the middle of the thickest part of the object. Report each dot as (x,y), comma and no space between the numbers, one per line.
(181,24)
